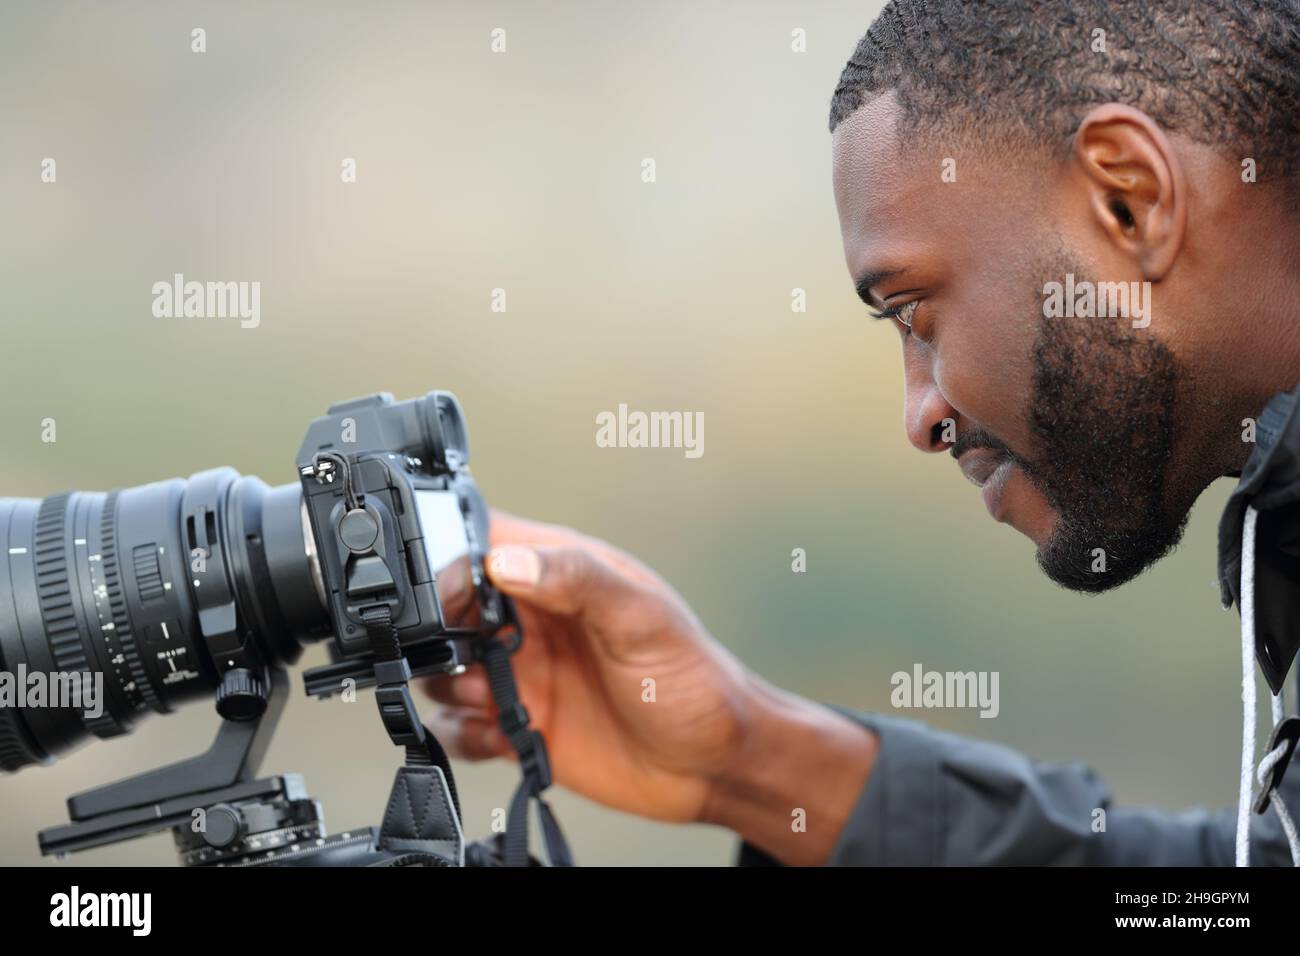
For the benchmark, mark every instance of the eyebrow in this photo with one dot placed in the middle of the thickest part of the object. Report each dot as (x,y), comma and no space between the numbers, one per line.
(871,278)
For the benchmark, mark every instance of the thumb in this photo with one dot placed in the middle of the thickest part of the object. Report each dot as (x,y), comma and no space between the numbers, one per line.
(562,580)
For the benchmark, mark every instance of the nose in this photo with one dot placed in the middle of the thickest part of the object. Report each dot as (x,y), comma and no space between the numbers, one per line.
(930,420)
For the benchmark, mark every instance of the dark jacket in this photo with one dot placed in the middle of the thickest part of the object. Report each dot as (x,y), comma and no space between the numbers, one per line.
(936,798)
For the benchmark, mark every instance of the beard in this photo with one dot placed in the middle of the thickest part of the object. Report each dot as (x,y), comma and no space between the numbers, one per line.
(1102,417)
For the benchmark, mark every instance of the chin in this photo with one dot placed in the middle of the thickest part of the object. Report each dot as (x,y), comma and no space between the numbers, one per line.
(1071,559)
(1081,580)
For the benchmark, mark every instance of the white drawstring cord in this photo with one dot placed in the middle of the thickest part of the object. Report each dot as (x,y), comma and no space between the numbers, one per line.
(1247,685)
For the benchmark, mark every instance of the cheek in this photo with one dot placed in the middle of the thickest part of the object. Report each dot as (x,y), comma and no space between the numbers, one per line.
(987,374)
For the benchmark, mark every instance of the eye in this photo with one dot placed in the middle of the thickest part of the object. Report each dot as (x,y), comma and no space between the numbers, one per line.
(904,314)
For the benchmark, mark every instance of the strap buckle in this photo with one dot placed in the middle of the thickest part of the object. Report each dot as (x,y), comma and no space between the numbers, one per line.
(396,708)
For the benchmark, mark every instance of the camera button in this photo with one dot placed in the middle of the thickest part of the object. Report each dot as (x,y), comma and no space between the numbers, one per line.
(358,530)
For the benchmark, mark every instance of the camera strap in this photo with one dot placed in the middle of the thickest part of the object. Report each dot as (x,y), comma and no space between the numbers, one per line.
(393,693)
(530,747)
(397,710)
(426,780)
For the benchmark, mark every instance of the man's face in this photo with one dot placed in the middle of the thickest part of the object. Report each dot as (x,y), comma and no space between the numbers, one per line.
(1066,424)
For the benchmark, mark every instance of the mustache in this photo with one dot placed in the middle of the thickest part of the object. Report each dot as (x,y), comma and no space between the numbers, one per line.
(980,438)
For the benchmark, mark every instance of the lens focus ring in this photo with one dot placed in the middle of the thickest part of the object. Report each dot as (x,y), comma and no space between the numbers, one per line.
(53,591)
(139,690)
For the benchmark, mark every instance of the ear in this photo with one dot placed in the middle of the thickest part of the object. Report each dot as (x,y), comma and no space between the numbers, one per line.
(1136,187)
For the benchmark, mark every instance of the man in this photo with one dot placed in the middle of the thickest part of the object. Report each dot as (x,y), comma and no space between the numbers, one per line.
(1083,220)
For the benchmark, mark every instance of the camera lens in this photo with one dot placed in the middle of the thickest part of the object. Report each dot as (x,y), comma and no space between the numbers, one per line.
(115,604)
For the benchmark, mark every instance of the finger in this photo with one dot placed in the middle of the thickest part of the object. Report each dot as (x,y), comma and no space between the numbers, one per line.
(470,689)
(511,529)
(468,733)
(566,580)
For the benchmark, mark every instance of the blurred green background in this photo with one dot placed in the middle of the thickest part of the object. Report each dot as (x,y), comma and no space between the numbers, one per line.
(522,171)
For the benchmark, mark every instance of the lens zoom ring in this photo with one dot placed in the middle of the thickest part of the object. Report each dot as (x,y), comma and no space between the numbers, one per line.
(52,587)
(117,600)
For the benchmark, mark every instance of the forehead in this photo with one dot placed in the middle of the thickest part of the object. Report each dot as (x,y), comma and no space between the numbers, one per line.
(865,152)
(894,200)
(883,185)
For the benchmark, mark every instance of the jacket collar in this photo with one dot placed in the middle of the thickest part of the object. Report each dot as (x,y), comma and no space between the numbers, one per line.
(1270,482)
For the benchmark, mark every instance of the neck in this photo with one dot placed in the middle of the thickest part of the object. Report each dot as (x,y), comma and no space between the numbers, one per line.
(1258,353)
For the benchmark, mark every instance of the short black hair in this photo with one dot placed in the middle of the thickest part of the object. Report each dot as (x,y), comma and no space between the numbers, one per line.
(1222,72)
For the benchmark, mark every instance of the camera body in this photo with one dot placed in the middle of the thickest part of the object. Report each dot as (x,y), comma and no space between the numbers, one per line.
(397,521)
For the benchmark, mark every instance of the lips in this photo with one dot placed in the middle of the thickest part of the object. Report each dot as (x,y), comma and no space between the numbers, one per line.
(988,470)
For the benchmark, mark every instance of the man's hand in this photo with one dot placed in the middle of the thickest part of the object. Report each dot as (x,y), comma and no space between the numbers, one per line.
(643,711)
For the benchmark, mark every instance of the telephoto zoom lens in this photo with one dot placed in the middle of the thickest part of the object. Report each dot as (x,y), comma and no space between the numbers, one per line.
(115,604)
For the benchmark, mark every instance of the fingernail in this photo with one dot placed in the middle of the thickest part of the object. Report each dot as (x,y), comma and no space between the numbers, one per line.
(511,564)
